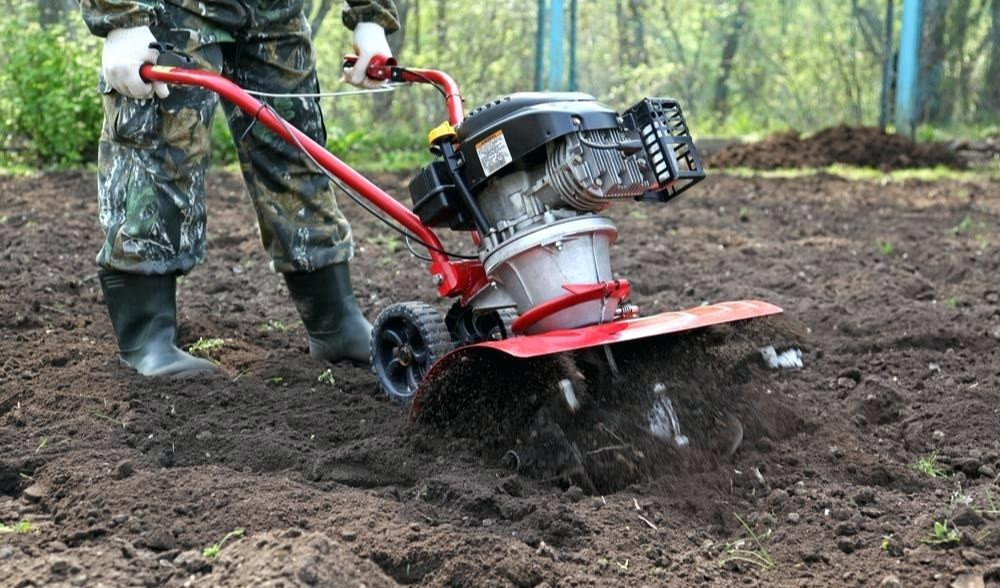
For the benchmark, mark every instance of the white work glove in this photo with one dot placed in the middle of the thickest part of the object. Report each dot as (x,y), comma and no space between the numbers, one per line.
(125,50)
(369,41)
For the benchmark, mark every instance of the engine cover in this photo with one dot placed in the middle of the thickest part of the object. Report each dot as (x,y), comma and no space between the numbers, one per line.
(506,134)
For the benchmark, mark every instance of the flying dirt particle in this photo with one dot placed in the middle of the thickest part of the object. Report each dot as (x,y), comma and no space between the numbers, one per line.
(790,358)
(663,421)
(566,387)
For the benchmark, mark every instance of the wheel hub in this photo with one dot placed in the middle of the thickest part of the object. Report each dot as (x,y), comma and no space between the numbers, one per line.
(405,354)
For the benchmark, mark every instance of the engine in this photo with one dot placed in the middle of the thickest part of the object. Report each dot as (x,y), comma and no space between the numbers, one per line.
(533,172)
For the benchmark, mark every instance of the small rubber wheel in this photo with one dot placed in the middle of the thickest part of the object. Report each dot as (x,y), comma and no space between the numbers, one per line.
(407,339)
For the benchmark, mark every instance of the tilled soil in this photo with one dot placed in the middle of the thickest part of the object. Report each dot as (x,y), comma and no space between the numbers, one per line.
(864,146)
(124,480)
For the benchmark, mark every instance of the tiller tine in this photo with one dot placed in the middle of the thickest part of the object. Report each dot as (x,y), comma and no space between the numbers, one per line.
(466,380)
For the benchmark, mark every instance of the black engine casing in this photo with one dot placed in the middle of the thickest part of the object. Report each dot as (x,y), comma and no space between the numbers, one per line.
(528,120)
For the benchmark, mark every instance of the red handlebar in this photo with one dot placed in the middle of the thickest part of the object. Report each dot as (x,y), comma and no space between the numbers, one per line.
(385,69)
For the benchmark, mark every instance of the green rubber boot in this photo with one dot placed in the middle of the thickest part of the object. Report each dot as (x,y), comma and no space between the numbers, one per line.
(325,301)
(143,313)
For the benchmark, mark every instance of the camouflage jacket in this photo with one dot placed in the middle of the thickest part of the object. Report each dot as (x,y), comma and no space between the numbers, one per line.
(103,16)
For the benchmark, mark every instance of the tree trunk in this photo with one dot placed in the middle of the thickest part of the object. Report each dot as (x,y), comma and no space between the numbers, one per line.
(317,21)
(721,100)
(638,40)
(442,28)
(933,51)
(888,72)
(950,89)
(54,12)
(989,101)
(416,27)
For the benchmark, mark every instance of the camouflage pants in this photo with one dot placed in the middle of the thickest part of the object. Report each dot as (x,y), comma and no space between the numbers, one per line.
(153,153)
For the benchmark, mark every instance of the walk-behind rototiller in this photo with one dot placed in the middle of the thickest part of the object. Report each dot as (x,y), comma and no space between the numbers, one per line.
(528,176)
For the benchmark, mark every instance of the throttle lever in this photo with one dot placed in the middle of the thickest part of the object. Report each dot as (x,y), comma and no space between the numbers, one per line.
(171,57)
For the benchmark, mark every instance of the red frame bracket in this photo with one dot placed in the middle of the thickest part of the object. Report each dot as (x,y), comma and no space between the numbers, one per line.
(577,294)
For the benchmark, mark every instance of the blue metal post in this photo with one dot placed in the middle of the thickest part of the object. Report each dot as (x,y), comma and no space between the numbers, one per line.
(909,66)
(556,35)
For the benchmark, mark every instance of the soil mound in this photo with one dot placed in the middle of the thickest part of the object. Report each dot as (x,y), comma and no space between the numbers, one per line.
(678,403)
(293,559)
(862,146)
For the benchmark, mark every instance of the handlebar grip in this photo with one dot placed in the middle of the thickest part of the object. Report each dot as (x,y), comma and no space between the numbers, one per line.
(379,68)
(170,56)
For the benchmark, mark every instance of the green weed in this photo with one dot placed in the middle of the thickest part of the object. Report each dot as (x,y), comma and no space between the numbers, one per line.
(390,241)
(928,466)
(952,302)
(277,380)
(24,526)
(213,551)
(959,497)
(272,325)
(962,227)
(205,347)
(327,377)
(109,418)
(885,247)
(739,551)
(942,535)
(991,505)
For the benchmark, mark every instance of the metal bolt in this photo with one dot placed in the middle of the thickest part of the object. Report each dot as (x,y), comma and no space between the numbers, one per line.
(438,279)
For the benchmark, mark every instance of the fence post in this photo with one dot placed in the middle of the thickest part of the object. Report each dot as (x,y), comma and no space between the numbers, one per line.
(909,66)
(556,49)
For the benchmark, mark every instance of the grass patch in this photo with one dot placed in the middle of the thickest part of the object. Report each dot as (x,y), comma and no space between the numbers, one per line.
(943,536)
(928,466)
(213,550)
(23,527)
(751,550)
(204,347)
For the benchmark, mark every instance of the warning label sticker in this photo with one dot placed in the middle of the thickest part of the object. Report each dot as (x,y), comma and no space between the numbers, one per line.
(493,153)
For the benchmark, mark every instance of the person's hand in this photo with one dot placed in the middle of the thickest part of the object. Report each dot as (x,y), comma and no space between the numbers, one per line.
(125,50)
(369,41)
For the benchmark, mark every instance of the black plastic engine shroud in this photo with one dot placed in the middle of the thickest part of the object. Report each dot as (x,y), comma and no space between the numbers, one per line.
(527,121)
